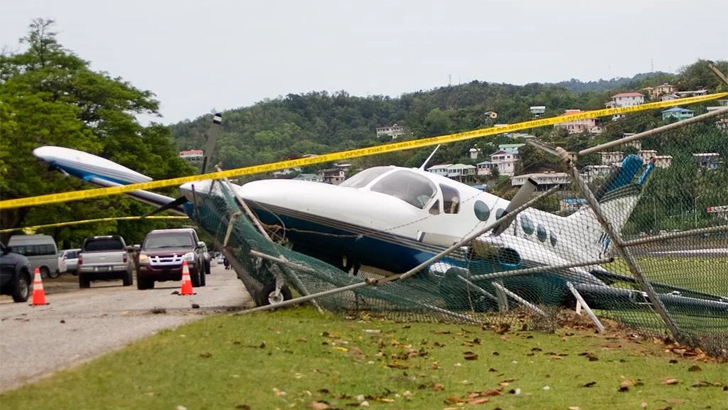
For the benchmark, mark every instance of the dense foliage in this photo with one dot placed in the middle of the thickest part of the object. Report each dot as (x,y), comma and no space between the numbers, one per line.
(50,96)
(319,122)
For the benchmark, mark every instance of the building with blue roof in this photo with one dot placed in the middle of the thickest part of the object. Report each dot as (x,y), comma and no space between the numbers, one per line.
(678,113)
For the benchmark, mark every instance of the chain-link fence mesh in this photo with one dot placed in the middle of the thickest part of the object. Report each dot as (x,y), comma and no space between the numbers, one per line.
(665,185)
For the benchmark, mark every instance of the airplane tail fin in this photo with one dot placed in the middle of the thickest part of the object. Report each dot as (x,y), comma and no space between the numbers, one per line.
(617,197)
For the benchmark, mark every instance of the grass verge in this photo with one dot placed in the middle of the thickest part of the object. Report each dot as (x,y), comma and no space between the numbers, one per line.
(298,358)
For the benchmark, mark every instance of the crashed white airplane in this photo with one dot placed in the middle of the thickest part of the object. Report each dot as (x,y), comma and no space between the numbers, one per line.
(395,218)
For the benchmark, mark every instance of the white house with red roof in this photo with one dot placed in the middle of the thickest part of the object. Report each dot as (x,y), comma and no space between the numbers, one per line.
(625,100)
(193,156)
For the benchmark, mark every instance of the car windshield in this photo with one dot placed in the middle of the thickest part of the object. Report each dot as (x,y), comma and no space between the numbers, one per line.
(160,241)
(408,186)
(363,178)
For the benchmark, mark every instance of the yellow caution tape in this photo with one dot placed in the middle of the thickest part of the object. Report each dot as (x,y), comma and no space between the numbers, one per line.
(354,153)
(88,221)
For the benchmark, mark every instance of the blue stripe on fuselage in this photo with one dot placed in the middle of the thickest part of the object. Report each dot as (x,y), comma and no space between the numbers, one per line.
(335,242)
(87,176)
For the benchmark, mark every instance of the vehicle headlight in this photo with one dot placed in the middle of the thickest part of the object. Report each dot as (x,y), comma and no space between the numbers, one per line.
(143,258)
(189,257)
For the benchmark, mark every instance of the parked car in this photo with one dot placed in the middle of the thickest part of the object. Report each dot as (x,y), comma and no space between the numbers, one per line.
(206,257)
(15,276)
(70,258)
(104,258)
(40,250)
(162,253)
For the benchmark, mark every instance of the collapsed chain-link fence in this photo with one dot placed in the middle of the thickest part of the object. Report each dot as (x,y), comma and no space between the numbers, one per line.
(630,231)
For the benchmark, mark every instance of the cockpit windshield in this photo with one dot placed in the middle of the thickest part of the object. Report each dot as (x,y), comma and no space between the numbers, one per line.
(363,178)
(408,186)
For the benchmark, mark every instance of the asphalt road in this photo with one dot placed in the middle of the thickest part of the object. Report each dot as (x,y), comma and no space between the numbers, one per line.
(79,325)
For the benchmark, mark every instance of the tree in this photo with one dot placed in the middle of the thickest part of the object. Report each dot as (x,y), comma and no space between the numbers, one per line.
(50,96)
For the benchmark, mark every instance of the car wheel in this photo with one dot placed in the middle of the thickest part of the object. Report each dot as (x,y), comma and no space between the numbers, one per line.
(203,280)
(83,281)
(44,272)
(128,279)
(54,274)
(268,297)
(21,290)
(145,283)
(207,268)
(196,278)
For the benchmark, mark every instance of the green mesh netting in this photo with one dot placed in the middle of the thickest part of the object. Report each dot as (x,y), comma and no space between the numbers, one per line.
(482,282)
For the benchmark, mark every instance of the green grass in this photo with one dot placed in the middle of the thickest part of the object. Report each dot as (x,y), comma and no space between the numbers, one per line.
(292,358)
(709,275)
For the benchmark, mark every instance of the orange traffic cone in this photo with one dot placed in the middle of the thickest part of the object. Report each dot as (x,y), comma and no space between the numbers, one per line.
(38,292)
(186,282)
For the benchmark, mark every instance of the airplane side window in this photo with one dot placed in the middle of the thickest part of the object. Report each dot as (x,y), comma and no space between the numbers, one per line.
(499,213)
(482,212)
(408,186)
(553,238)
(450,199)
(527,225)
(541,233)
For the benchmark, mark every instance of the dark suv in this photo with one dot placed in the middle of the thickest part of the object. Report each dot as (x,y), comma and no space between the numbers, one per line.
(162,253)
(14,274)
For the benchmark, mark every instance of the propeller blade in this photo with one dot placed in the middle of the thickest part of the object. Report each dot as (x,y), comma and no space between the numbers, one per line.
(174,204)
(522,196)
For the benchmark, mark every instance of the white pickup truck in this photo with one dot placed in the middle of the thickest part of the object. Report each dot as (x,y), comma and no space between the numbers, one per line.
(104,258)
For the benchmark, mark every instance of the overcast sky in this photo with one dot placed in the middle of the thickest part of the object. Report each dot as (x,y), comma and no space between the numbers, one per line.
(202,55)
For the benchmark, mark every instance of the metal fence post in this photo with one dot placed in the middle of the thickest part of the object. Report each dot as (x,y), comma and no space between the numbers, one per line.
(623,251)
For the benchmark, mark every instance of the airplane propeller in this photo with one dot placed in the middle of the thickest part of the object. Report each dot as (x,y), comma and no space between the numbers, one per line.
(522,196)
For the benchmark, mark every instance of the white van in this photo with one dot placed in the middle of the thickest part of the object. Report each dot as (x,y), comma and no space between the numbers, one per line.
(40,250)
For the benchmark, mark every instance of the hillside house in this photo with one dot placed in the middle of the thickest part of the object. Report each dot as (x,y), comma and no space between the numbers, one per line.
(193,156)
(485,167)
(538,110)
(663,161)
(647,155)
(579,126)
(612,158)
(625,100)
(505,161)
(678,113)
(708,160)
(544,180)
(656,92)
(440,169)
(333,176)
(393,131)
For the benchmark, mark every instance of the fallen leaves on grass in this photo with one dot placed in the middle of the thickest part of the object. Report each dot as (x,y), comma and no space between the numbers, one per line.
(589,355)
(206,355)
(470,355)
(670,381)
(695,368)
(626,384)
(397,365)
(318,405)
(588,384)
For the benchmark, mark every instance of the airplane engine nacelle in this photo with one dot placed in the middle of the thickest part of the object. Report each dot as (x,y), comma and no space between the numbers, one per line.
(508,256)
(504,255)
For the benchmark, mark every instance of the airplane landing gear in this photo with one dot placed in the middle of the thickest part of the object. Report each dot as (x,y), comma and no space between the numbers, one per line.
(270,296)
